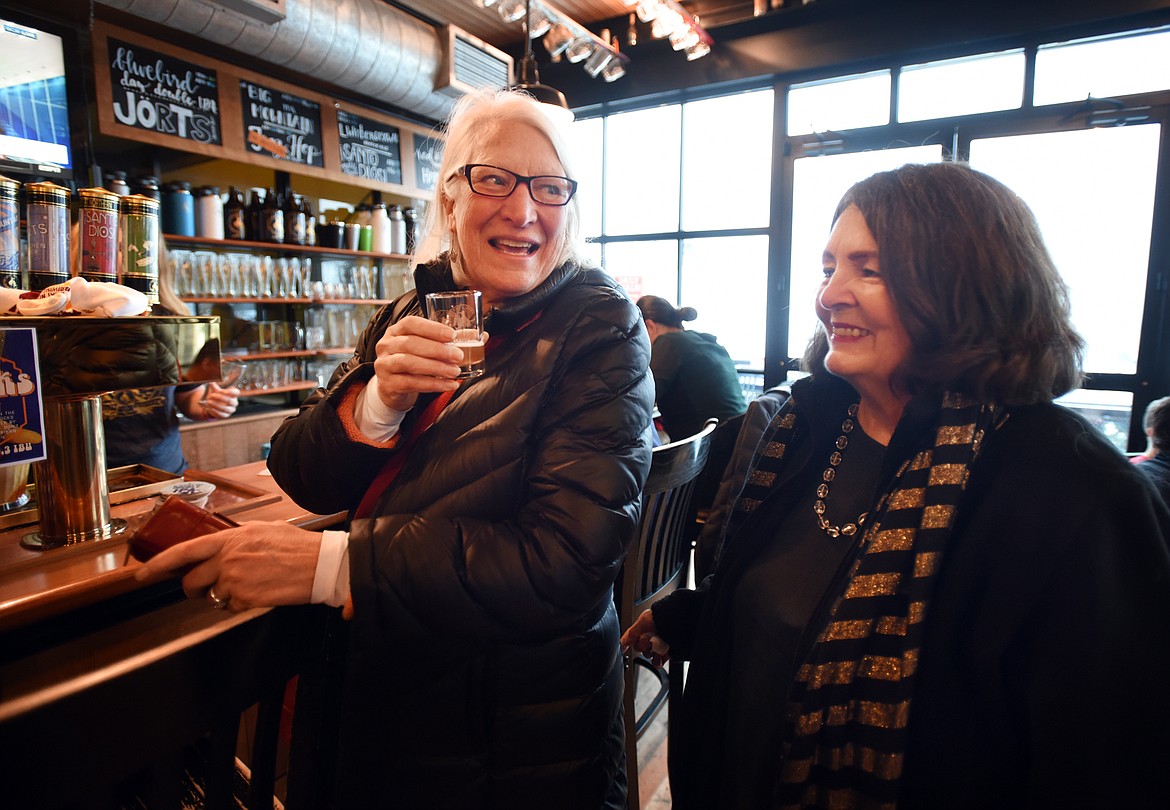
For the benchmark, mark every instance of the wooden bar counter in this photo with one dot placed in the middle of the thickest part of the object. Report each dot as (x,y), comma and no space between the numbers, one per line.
(107,682)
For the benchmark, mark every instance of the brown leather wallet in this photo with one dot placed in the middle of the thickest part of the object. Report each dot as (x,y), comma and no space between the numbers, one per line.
(173,522)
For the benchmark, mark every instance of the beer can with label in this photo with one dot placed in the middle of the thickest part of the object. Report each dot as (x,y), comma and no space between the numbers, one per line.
(97,225)
(47,212)
(140,244)
(9,234)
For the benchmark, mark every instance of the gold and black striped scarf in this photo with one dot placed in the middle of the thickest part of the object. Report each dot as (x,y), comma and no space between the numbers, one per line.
(845,733)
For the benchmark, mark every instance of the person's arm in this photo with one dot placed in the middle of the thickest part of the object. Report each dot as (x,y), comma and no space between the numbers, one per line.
(207,402)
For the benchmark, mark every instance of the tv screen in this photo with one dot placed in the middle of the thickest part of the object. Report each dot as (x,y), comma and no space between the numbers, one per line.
(34,119)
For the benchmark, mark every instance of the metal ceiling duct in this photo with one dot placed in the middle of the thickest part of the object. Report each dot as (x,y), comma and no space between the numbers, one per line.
(363,46)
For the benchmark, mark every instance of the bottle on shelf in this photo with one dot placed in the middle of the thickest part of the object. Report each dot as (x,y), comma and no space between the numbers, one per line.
(294,220)
(235,215)
(380,222)
(410,218)
(147,186)
(273,217)
(116,183)
(209,213)
(178,209)
(397,230)
(310,221)
(256,216)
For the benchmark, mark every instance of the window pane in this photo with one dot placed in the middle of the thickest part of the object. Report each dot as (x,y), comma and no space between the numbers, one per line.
(727,162)
(641,172)
(855,101)
(585,139)
(645,268)
(818,185)
(1104,67)
(1109,411)
(992,81)
(726,280)
(1092,192)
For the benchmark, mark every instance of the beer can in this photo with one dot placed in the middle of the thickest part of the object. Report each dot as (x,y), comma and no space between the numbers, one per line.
(140,244)
(9,234)
(47,212)
(97,225)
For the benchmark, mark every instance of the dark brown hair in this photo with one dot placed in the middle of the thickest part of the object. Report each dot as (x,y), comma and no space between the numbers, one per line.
(1157,420)
(662,311)
(986,311)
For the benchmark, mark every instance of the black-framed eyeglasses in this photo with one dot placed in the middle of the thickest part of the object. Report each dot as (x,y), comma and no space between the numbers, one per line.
(492,181)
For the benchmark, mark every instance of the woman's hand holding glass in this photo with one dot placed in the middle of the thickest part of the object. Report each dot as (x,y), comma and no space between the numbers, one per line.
(415,356)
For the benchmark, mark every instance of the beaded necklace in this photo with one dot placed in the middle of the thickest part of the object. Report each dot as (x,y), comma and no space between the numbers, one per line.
(849,529)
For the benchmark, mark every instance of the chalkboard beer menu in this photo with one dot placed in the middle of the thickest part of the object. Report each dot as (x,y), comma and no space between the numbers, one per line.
(161,93)
(428,153)
(369,149)
(281,125)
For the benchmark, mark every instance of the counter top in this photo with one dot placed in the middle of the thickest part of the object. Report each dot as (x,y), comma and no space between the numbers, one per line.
(36,585)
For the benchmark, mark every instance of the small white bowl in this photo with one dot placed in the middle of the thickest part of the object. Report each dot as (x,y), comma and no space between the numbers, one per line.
(195,493)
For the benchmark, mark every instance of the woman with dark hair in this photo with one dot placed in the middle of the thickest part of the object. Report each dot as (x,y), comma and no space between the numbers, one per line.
(937,588)
(694,378)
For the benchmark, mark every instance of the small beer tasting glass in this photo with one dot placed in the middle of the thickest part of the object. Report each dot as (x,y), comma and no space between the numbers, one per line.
(462,310)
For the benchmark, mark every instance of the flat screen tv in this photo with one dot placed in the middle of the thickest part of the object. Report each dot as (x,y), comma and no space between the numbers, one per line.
(34,111)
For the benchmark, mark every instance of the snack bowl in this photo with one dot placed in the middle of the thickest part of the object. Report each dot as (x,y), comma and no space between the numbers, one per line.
(195,493)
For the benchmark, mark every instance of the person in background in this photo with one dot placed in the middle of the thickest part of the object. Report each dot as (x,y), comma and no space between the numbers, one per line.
(489,517)
(937,588)
(1155,410)
(141,425)
(694,378)
(1157,464)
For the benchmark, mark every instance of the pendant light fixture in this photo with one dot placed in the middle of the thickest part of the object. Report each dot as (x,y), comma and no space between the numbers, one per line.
(553,101)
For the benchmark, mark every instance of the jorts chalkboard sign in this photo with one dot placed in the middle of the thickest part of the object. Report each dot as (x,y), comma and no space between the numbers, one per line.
(161,93)
(281,125)
(369,149)
(428,153)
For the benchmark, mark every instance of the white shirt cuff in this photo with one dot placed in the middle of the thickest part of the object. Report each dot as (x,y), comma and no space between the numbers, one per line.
(331,579)
(373,418)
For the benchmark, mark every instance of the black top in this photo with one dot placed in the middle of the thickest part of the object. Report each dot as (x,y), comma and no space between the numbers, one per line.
(1157,469)
(774,601)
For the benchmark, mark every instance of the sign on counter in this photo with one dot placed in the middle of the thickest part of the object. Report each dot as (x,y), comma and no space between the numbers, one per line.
(369,149)
(281,125)
(161,93)
(21,426)
(428,153)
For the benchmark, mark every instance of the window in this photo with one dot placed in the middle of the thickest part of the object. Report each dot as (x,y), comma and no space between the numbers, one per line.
(1104,67)
(838,104)
(688,190)
(975,84)
(1092,191)
(642,171)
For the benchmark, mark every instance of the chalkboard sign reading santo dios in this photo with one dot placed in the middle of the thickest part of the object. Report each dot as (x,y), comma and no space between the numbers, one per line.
(369,149)
(281,125)
(161,93)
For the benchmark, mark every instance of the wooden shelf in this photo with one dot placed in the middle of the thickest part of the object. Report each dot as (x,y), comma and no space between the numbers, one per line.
(289,353)
(200,299)
(174,240)
(304,385)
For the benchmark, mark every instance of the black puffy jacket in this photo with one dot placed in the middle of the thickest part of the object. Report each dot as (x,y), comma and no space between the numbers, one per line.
(483,668)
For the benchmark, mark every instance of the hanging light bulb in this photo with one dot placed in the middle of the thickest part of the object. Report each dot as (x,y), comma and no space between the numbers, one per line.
(540,23)
(557,39)
(579,49)
(698,51)
(511,10)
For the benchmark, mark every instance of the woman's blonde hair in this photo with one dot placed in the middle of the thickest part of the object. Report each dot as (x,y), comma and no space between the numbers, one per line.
(474,120)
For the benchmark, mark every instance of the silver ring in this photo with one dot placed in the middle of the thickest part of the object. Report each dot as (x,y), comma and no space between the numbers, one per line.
(217,602)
